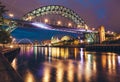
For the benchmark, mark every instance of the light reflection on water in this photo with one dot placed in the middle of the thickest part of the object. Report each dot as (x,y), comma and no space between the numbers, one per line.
(51,64)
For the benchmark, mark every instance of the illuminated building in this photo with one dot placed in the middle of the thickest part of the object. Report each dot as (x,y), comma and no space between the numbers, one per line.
(101,31)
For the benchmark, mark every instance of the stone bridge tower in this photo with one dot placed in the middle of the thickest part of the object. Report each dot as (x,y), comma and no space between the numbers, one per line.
(101,31)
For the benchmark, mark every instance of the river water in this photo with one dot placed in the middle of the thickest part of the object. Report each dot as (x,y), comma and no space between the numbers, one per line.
(52,64)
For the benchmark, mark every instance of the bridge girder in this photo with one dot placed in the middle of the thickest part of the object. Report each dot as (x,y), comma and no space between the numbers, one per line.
(56,9)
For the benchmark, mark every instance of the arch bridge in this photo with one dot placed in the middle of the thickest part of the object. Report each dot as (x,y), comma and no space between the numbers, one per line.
(58,15)
(25,40)
(77,24)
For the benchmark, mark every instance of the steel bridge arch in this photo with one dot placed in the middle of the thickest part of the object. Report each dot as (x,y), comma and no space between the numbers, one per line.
(56,9)
(25,39)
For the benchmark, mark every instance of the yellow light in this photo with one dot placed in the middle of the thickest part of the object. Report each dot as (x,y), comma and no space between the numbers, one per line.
(108,32)
(59,22)
(29,77)
(29,18)
(93,28)
(69,24)
(11,15)
(11,37)
(112,32)
(78,26)
(86,27)
(46,20)
(11,46)
(14,64)
(46,76)
(14,39)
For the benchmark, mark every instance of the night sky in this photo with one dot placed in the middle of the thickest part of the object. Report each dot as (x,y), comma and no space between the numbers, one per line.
(94,12)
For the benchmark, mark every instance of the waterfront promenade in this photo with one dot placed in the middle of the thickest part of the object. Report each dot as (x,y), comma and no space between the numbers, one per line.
(7,73)
(103,47)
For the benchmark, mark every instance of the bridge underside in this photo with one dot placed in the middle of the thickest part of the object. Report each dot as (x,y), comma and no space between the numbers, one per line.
(87,35)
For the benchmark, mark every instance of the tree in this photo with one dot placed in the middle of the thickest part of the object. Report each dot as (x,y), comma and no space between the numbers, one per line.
(4,36)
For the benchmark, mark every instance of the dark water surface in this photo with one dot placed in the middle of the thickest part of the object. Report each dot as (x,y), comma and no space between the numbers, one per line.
(46,64)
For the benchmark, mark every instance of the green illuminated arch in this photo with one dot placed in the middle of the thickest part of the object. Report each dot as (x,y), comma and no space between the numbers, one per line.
(55,9)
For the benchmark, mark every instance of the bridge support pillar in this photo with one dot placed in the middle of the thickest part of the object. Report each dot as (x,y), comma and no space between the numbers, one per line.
(101,31)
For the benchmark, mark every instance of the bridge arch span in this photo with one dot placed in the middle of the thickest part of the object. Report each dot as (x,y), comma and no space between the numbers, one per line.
(56,9)
(25,40)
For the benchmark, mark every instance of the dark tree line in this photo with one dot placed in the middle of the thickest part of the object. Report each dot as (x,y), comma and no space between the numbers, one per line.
(4,35)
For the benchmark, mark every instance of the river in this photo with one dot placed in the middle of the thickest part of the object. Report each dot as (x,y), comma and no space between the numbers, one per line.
(54,64)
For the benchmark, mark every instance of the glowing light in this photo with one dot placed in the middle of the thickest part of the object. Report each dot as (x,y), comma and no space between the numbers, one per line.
(50,52)
(30,18)
(13,40)
(78,26)
(69,24)
(46,76)
(88,41)
(93,29)
(48,27)
(119,59)
(81,54)
(70,72)
(112,32)
(60,72)
(86,27)
(75,50)
(104,63)
(11,46)
(11,37)
(46,20)
(14,64)
(46,51)
(81,41)
(108,32)
(35,52)
(29,77)
(59,22)
(11,15)
(41,25)
(66,53)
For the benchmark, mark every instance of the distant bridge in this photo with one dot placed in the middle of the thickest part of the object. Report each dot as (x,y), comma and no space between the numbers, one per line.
(25,40)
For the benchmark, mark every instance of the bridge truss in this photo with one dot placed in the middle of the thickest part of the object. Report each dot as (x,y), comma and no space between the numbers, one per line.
(57,10)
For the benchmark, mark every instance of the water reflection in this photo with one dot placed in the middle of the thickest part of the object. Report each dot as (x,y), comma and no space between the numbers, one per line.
(14,63)
(52,64)
(46,75)
(29,77)
(60,72)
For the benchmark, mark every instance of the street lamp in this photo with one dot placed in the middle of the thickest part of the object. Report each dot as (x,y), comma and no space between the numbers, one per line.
(13,40)
(93,29)
(46,20)
(86,27)
(11,15)
(69,24)
(78,26)
(59,22)
(108,32)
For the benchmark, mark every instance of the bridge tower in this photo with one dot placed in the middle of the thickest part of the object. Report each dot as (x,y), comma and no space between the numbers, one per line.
(101,31)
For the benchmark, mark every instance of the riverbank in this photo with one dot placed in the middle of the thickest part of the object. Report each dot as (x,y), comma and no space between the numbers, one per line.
(10,53)
(103,47)
(92,47)
(7,73)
